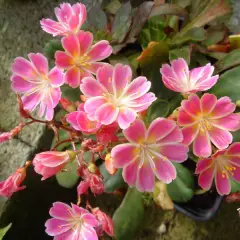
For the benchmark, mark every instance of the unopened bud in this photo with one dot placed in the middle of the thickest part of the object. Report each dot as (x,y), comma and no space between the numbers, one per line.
(83,98)
(109,164)
(67,105)
(72,155)
(92,168)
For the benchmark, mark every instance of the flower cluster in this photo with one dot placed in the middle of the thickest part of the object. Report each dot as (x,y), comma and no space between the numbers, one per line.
(109,123)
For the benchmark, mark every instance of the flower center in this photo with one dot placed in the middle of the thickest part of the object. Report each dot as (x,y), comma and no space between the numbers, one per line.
(82,61)
(204,125)
(225,167)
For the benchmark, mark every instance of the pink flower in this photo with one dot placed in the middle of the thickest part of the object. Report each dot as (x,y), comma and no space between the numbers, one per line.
(222,166)
(13,182)
(71,223)
(107,134)
(50,163)
(106,223)
(207,120)
(37,84)
(150,153)
(80,58)
(179,79)
(112,97)
(70,19)
(80,122)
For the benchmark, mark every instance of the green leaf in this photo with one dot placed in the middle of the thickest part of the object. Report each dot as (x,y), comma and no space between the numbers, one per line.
(228,85)
(97,19)
(235,186)
(122,22)
(112,182)
(232,59)
(72,94)
(51,47)
(183,52)
(159,108)
(214,36)
(129,216)
(4,230)
(113,6)
(182,3)
(182,188)
(68,178)
(63,135)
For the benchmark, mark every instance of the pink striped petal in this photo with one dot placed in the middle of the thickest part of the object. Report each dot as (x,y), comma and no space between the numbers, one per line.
(205,179)
(184,119)
(39,62)
(201,74)
(192,105)
(234,149)
(165,170)
(69,235)
(159,129)
(230,122)
(130,173)
(72,77)
(136,133)
(56,226)
(90,219)
(220,138)
(64,13)
(86,125)
(100,51)
(71,45)
(208,102)
(107,113)
(81,12)
(137,88)
(61,211)
(122,75)
(90,87)
(63,60)
(72,119)
(123,154)
(203,165)
(21,85)
(126,117)
(92,104)
(53,27)
(224,107)
(189,134)
(23,68)
(207,84)
(56,77)
(31,101)
(223,184)
(202,145)
(145,178)
(180,68)
(88,233)
(176,152)
(104,76)
(85,40)
(236,173)
(174,136)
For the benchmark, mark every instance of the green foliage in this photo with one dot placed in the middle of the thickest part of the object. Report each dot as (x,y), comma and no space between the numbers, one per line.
(235,186)
(72,94)
(112,182)
(228,85)
(51,47)
(4,230)
(69,177)
(129,216)
(182,188)
(183,52)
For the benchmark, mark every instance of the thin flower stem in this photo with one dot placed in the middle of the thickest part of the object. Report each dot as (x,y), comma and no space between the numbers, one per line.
(59,143)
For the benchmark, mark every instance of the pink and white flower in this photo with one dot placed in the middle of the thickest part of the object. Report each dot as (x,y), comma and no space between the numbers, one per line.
(51,162)
(80,58)
(150,153)
(207,120)
(113,97)
(70,19)
(13,182)
(179,78)
(222,166)
(38,85)
(71,223)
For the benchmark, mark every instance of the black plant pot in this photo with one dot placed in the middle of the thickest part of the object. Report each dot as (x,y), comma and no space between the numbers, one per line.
(201,207)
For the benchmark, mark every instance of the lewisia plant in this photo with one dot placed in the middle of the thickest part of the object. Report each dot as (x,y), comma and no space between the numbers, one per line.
(112,123)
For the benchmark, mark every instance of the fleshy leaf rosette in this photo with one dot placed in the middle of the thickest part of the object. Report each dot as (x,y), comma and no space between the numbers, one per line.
(179,78)
(222,166)
(71,223)
(38,85)
(113,97)
(70,19)
(207,120)
(150,153)
(81,58)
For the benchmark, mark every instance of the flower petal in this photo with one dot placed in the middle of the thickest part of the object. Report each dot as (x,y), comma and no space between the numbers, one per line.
(107,114)
(184,119)
(208,102)
(56,226)
(203,165)
(234,149)
(205,179)
(39,62)
(20,85)
(222,182)
(174,136)
(88,233)
(104,76)
(136,133)
(126,117)
(100,51)
(72,77)
(202,145)
(71,45)
(220,138)
(189,134)
(63,60)
(53,27)
(61,211)
(56,77)
(230,122)
(72,119)
(123,154)
(85,40)
(192,105)
(130,173)
(64,13)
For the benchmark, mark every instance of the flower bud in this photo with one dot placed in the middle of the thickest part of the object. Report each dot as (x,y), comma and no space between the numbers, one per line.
(109,164)
(67,105)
